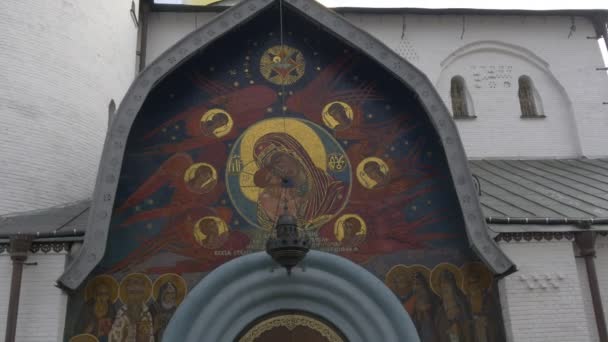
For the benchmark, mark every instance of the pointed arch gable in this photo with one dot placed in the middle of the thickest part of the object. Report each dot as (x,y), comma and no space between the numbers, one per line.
(110,167)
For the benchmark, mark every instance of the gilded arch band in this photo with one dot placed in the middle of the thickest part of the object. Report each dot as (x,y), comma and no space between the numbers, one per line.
(107,179)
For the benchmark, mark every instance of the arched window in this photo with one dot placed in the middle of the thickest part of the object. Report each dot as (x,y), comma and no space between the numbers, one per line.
(460,98)
(529,101)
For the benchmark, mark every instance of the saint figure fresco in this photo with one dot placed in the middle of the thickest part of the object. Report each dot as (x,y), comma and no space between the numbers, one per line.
(169,291)
(133,321)
(99,311)
(457,327)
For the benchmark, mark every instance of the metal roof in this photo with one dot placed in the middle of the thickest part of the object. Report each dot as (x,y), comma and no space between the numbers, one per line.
(556,188)
(573,188)
(66,219)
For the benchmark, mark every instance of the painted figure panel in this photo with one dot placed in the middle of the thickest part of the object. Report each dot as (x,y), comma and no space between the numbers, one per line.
(251,128)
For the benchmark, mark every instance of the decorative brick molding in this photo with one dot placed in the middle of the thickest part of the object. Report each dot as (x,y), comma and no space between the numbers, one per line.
(42,247)
(537,236)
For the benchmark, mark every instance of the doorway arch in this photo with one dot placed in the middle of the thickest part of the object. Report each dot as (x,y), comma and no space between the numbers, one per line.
(239,293)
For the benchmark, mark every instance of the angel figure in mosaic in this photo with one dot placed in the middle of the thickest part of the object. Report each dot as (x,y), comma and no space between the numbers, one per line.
(194,236)
(194,183)
(228,110)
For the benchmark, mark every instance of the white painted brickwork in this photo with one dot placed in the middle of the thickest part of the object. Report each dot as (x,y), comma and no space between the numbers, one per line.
(499,132)
(561,67)
(543,301)
(61,63)
(42,305)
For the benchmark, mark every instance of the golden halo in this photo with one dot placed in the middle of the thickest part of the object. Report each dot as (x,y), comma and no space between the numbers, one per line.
(200,237)
(425,271)
(282,65)
(177,280)
(436,276)
(339,226)
(122,294)
(84,338)
(364,179)
(305,135)
(473,270)
(220,131)
(391,279)
(329,121)
(191,172)
(109,281)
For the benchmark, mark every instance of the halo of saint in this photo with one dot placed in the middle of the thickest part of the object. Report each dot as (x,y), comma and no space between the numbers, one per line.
(446,277)
(101,285)
(282,65)
(210,232)
(476,277)
(200,177)
(350,230)
(135,287)
(373,173)
(337,115)
(84,338)
(397,279)
(402,279)
(216,122)
(169,284)
(284,164)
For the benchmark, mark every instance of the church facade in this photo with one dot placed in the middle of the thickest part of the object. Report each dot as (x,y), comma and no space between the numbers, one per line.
(276,109)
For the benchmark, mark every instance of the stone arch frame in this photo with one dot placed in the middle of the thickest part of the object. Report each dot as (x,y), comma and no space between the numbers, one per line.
(519,52)
(494,45)
(510,49)
(94,245)
(331,287)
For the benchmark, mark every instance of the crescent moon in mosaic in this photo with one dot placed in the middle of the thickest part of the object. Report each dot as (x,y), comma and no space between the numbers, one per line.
(282,65)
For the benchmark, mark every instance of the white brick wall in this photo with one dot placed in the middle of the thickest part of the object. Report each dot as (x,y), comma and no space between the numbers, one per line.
(543,301)
(61,61)
(42,306)
(572,91)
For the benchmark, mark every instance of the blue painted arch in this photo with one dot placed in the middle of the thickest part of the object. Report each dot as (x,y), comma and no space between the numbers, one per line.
(234,295)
